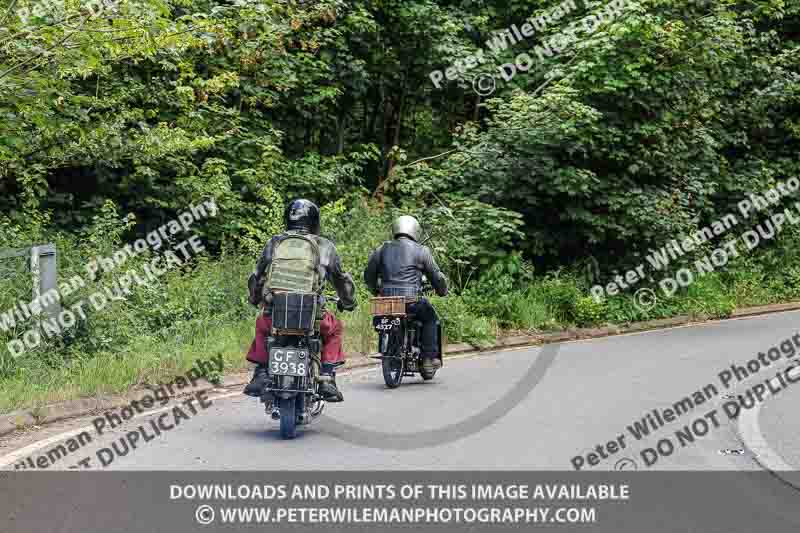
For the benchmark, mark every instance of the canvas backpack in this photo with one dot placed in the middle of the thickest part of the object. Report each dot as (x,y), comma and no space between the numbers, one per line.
(295,265)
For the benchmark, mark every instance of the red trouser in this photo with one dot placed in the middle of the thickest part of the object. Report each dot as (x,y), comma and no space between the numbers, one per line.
(331,329)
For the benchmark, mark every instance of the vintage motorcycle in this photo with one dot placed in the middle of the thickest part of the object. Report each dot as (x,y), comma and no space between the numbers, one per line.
(292,392)
(399,335)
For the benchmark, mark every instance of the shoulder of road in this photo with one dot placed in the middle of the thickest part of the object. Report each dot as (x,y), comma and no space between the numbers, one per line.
(28,418)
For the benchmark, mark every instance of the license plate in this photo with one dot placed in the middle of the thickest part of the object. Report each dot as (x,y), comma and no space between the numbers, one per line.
(385,323)
(288,362)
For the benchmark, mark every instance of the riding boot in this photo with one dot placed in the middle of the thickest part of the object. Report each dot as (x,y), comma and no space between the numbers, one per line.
(328,389)
(431,362)
(257,384)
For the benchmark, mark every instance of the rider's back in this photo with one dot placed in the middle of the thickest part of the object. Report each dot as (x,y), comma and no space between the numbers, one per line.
(401,267)
(401,264)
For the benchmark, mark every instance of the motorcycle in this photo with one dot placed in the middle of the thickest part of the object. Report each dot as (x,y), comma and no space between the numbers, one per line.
(292,392)
(399,339)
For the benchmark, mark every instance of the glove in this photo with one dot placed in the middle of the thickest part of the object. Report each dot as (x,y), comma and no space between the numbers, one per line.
(254,290)
(341,307)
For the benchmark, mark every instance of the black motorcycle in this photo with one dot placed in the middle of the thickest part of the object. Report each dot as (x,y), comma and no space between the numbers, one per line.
(399,335)
(292,391)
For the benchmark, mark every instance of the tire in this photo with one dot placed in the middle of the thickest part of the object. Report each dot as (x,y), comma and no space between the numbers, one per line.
(288,417)
(393,366)
(393,369)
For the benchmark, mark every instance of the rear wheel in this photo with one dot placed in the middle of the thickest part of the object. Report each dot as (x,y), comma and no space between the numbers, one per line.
(288,417)
(393,368)
(393,364)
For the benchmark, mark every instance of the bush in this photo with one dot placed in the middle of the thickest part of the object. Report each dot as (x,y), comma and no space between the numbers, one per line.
(460,324)
(589,311)
(560,295)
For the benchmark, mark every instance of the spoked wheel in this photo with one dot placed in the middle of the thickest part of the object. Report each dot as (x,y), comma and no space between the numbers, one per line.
(288,417)
(393,363)
(393,368)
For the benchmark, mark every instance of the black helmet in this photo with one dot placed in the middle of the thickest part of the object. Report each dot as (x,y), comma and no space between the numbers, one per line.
(302,215)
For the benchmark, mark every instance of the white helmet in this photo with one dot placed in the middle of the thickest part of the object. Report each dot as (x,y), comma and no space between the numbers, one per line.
(408,226)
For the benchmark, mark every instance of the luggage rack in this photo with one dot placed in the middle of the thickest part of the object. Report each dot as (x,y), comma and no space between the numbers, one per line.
(390,305)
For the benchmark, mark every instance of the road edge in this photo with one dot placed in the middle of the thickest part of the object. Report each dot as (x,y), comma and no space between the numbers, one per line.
(750,435)
(32,417)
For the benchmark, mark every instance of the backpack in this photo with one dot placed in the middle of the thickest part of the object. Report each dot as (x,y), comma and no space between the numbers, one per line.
(295,265)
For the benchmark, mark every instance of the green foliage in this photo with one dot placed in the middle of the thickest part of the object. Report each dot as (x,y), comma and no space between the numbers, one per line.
(589,311)
(461,324)
(491,295)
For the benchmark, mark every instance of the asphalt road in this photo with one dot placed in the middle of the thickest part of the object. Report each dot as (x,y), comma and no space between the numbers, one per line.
(587,395)
(777,429)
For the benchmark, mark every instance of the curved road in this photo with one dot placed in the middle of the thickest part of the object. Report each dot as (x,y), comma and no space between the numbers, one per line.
(587,396)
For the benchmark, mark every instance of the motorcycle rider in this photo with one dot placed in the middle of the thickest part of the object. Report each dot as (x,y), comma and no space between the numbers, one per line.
(302,217)
(400,264)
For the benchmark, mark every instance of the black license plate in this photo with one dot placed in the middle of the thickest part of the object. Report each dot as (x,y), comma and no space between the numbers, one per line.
(385,323)
(288,362)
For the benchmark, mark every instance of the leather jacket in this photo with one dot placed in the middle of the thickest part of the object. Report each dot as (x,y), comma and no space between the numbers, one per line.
(330,270)
(400,264)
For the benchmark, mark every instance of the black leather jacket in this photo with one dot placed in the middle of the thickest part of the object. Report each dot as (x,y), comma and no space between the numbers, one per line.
(400,264)
(330,270)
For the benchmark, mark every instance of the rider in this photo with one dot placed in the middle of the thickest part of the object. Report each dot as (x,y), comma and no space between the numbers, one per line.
(302,217)
(400,264)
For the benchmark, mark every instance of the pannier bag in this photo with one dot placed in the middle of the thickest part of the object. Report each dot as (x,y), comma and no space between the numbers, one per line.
(292,310)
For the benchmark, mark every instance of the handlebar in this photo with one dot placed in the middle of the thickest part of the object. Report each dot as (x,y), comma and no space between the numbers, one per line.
(337,301)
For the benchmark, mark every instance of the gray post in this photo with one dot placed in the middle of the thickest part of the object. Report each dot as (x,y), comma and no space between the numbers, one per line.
(48,279)
(37,289)
(44,274)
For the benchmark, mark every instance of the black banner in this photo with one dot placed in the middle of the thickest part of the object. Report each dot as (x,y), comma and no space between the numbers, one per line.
(636,502)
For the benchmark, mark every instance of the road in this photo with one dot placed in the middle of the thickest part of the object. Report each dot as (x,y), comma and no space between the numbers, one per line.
(586,395)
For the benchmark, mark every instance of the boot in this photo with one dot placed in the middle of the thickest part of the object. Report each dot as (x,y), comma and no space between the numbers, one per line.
(257,384)
(328,389)
(431,363)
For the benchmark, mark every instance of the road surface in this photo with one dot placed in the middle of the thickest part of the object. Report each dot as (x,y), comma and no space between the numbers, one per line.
(586,396)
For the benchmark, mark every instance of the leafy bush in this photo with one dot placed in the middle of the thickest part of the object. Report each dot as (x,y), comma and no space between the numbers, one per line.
(461,324)
(492,295)
(589,311)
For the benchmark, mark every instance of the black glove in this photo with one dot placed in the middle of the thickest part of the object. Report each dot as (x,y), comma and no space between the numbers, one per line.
(254,289)
(341,307)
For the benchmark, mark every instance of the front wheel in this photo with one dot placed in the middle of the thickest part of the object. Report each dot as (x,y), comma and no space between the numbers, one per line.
(288,417)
